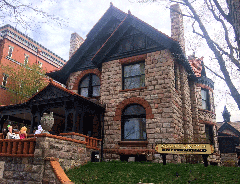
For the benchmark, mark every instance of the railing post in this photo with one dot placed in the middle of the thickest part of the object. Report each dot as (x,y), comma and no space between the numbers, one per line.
(4,147)
(1,144)
(20,147)
(9,147)
(14,148)
(25,147)
(32,147)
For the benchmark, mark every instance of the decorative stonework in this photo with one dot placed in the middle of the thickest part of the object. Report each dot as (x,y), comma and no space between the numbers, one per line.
(133,59)
(133,100)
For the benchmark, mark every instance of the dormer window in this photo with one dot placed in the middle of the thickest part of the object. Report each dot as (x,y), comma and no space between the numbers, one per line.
(134,75)
(10,51)
(90,86)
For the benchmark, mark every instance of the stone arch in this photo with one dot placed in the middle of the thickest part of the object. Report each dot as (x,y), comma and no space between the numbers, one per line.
(82,74)
(133,100)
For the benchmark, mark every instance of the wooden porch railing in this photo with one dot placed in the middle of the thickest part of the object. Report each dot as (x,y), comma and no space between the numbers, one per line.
(91,142)
(17,147)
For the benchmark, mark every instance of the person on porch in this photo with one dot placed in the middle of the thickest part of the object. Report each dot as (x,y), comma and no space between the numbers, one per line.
(9,134)
(23,133)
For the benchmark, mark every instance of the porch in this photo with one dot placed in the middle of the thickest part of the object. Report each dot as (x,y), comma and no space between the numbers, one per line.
(71,112)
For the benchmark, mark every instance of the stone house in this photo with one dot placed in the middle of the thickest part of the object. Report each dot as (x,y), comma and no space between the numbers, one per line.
(152,93)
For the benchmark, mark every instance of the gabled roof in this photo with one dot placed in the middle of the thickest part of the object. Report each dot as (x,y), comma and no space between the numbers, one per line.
(229,127)
(123,21)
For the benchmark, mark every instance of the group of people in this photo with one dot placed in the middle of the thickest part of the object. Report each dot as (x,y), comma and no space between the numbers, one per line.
(9,134)
(22,133)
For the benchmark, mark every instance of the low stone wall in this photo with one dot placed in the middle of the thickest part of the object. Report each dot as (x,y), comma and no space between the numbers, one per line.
(53,154)
(31,170)
(71,152)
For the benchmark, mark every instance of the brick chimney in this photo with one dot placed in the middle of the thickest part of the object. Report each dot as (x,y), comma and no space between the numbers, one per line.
(75,42)
(177,29)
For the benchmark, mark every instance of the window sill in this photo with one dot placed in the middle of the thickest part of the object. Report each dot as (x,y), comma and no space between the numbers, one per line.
(134,89)
(133,143)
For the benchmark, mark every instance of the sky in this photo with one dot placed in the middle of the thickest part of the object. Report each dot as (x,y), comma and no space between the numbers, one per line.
(60,19)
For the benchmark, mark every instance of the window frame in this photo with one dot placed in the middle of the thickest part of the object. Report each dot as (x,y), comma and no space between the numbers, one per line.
(10,47)
(123,78)
(208,105)
(90,86)
(127,117)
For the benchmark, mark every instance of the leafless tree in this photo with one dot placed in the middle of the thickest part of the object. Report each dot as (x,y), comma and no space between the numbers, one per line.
(226,50)
(28,14)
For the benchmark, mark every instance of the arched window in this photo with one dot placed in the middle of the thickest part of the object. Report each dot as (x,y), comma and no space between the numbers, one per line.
(90,86)
(134,123)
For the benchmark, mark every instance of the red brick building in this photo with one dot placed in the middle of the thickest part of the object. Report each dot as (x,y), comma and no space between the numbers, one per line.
(17,48)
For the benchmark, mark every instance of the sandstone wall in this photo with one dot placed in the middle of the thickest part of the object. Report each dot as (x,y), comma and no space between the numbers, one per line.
(158,93)
(70,154)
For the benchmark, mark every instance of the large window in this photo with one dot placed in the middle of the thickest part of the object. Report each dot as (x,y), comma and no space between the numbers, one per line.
(209,133)
(134,123)
(205,99)
(90,86)
(134,76)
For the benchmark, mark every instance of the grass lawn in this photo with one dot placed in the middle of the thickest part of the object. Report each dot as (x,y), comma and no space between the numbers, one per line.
(146,172)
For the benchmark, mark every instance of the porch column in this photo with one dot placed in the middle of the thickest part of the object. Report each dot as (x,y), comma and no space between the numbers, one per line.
(32,123)
(66,119)
(75,115)
(38,118)
(80,127)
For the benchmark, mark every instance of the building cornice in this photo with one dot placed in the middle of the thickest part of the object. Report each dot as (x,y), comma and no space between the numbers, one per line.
(31,51)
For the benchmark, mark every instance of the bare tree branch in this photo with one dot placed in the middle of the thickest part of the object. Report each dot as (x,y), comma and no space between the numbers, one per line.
(214,72)
(231,48)
(234,92)
(227,17)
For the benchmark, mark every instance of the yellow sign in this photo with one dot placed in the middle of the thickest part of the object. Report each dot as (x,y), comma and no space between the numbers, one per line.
(185,149)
